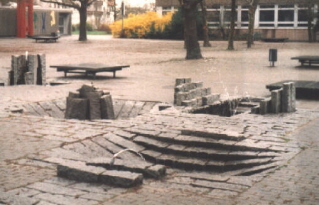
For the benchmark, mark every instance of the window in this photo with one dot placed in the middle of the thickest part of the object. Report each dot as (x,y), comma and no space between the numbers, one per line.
(286,15)
(214,16)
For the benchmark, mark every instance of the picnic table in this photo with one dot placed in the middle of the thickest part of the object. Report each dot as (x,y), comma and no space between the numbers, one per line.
(307,59)
(88,68)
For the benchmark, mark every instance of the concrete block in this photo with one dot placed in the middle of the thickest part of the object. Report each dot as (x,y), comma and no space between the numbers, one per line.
(179,88)
(265,106)
(199,101)
(255,110)
(180,97)
(288,97)
(276,101)
(189,103)
(77,108)
(41,70)
(107,109)
(210,99)
(198,84)
(121,178)
(79,171)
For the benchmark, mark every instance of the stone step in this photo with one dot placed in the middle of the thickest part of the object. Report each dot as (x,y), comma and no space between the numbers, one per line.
(201,142)
(148,170)
(196,152)
(191,163)
(80,171)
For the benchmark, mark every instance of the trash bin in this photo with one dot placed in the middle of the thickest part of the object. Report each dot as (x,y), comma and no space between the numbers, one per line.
(272,56)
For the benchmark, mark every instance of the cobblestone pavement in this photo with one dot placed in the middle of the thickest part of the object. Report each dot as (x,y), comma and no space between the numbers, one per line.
(278,163)
(30,146)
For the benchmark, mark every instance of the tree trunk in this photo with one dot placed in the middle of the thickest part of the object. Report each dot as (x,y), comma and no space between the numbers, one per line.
(232,25)
(205,24)
(83,17)
(251,16)
(191,40)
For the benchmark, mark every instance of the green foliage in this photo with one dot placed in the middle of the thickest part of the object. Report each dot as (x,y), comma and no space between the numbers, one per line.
(76,27)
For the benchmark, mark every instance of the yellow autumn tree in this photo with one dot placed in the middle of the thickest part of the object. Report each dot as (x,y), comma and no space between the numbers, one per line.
(137,26)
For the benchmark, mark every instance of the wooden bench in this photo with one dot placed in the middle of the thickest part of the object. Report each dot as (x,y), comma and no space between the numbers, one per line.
(88,68)
(274,40)
(307,59)
(45,38)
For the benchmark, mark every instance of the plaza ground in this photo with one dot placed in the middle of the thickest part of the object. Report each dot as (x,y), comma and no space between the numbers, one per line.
(27,141)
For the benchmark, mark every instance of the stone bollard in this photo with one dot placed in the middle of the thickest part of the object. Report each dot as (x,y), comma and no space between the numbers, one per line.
(30,70)
(289,97)
(276,101)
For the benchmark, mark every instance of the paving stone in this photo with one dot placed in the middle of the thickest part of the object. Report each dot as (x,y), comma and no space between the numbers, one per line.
(6,198)
(121,178)
(55,189)
(63,200)
(123,142)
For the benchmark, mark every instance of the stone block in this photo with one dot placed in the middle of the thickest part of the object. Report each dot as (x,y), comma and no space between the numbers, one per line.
(180,97)
(28,78)
(94,105)
(265,106)
(255,110)
(210,99)
(121,178)
(288,97)
(155,171)
(74,95)
(180,81)
(199,101)
(86,89)
(79,171)
(107,109)
(276,101)
(198,84)
(41,70)
(32,67)
(190,103)
(76,108)
(179,88)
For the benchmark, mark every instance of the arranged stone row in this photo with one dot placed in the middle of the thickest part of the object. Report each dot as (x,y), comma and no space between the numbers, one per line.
(147,169)
(193,94)
(28,69)
(282,100)
(80,171)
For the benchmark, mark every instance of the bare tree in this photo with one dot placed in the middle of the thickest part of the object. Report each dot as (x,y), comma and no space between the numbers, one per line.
(232,25)
(191,40)
(81,6)
(205,24)
(251,16)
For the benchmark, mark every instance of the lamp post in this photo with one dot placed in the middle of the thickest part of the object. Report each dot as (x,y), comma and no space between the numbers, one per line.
(123,13)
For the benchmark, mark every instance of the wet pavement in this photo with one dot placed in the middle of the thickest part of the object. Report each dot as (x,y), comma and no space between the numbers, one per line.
(276,155)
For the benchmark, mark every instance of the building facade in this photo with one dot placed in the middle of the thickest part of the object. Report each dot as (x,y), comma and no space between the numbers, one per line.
(273,18)
(45,20)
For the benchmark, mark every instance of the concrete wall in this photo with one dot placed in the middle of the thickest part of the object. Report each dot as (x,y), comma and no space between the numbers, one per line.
(8,22)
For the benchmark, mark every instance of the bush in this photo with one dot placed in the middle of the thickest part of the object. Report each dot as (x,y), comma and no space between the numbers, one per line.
(139,26)
(76,27)
(105,27)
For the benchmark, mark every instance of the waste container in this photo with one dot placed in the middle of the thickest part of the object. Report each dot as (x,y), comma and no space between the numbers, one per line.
(272,56)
